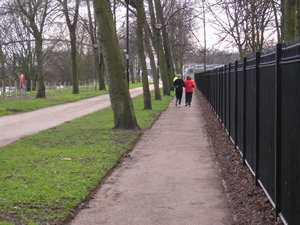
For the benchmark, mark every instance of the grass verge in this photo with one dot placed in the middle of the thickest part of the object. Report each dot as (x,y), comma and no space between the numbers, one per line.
(12,105)
(46,175)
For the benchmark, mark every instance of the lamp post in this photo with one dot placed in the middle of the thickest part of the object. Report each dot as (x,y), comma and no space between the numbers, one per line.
(158,27)
(127,40)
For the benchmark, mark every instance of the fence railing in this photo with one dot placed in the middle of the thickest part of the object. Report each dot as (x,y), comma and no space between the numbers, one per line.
(257,99)
(13,88)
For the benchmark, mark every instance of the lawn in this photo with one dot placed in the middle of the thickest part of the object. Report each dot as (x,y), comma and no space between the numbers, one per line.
(10,105)
(43,177)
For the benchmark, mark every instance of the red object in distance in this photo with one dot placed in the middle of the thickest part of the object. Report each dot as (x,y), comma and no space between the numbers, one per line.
(22,81)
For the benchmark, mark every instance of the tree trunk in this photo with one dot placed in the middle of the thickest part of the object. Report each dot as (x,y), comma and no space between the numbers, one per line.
(124,116)
(30,63)
(141,53)
(204,35)
(290,21)
(278,31)
(152,61)
(93,35)
(132,72)
(138,75)
(74,62)
(101,74)
(282,19)
(41,92)
(163,68)
(3,70)
(72,32)
(298,19)
(166,44)
(178,67)
(159,51)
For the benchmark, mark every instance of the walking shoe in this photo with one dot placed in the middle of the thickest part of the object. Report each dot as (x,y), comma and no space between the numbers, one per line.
(176,103)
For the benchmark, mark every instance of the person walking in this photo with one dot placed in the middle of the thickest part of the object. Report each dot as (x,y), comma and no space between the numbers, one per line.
(189,85)
(178,85)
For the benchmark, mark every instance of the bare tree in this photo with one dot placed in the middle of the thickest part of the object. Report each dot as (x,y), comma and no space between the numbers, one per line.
(33,15)
(139,5)
(169,59)
(152,60)
(245,22)
(156,37)
(124,116)
(180,28)
(71,14)
(93,36)
(276,11)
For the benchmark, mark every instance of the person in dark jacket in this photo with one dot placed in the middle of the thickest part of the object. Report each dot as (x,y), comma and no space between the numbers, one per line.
(189,85)
(178,85)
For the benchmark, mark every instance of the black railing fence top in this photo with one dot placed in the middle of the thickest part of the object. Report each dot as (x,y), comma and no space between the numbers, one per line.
(258,102)
(251,62)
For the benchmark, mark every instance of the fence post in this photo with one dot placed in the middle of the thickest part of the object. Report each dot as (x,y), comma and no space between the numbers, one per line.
(257,116)
(278,84)
(221,94)
(229,100)
(236,104)
(225,97)
(244,109)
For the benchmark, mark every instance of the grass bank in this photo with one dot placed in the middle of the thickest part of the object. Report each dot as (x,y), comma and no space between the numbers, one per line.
(44,176)
(10,105)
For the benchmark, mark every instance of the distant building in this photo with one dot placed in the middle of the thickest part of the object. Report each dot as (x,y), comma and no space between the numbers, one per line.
(193,67)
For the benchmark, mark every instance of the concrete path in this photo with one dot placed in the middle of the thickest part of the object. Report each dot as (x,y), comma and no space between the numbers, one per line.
(170,178)
(17,126)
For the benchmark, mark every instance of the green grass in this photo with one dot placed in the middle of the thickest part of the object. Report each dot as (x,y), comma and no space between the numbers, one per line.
(12,105)
(36,187)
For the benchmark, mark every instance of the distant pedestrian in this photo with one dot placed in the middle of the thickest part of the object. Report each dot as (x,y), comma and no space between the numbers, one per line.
(189,85)
(178,85)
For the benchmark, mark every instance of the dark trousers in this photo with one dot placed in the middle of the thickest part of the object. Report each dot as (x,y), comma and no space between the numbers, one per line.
(178,95)
(188,98)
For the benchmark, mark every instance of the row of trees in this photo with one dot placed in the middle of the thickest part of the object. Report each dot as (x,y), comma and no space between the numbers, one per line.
(41,35)
(37,37)
(150,28)
(34,40)
(251,26)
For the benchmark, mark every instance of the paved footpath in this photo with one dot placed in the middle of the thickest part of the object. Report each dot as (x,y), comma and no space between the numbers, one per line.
(170,178)
(17,126)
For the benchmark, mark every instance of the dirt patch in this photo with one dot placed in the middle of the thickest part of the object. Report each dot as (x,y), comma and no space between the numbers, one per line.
(247,202)
(13,110)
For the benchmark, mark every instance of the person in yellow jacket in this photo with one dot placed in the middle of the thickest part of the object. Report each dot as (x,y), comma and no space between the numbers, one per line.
(176,77)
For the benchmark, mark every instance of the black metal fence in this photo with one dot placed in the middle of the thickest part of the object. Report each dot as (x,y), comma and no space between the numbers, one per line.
(258,101)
